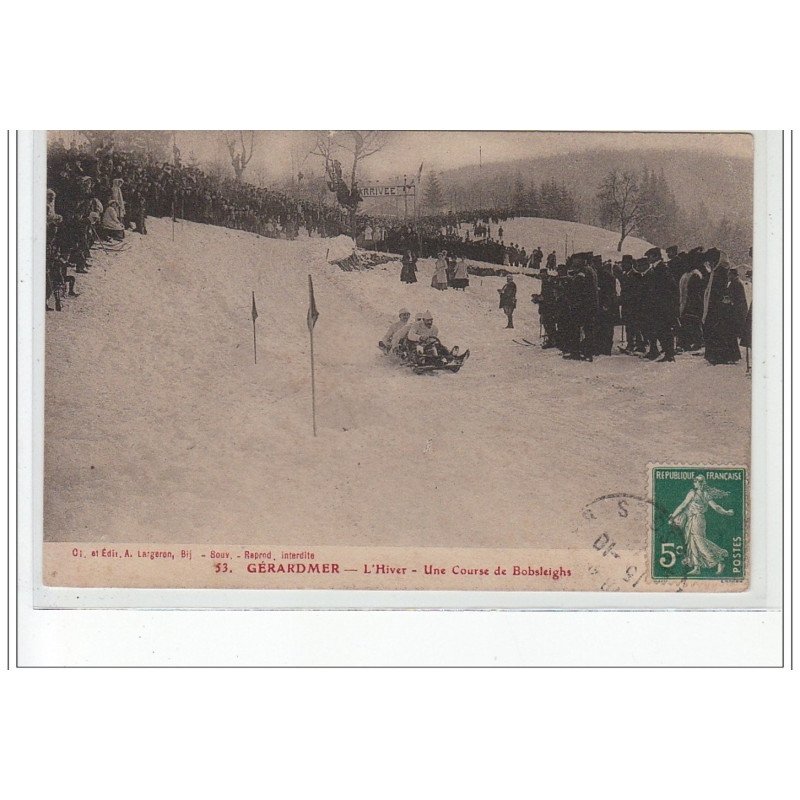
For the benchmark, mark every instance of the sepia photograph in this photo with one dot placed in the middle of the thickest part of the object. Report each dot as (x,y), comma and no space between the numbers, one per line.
(370,359)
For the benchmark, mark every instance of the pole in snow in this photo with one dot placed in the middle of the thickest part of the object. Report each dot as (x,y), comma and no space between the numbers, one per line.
(254,315)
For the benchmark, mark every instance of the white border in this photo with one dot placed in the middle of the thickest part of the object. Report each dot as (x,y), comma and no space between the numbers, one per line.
(764,593)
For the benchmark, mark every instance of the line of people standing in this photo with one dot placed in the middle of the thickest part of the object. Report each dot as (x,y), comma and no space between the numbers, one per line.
(449,273)
(692,300)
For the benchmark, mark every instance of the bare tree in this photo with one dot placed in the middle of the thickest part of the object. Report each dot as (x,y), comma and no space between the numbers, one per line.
(621,203)
(240,157)
(358,145)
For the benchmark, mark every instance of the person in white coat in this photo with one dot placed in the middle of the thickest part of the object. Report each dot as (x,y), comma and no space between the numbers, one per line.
(439,280)
(390,338)
(116,194)
(111,224)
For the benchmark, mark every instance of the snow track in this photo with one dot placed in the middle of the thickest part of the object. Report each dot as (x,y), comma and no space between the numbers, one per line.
(160,428)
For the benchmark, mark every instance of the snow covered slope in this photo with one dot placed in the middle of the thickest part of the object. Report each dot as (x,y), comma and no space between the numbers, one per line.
(160,428)
(549,234)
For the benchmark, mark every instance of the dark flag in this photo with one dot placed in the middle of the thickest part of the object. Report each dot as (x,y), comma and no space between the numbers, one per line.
(311,320)
(254,314)
(313,314)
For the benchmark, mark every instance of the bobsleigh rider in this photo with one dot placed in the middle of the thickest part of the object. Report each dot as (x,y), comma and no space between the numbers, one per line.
(418,346)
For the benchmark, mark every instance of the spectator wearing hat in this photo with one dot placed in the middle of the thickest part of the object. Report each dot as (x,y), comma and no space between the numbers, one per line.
(548,307)
(508,299)
(634,304)
(138,211)
(690,291)
(724,315)
(608,316)
(665,310)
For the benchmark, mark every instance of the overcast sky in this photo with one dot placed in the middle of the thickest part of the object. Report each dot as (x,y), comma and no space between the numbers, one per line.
(275,151)
(442,150)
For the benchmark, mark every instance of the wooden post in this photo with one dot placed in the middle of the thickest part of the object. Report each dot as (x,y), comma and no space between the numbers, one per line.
(311,320)
(254,315)
(416,224)
(313,386)
(480,177)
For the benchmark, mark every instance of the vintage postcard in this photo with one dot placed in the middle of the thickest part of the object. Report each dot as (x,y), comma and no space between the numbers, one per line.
(503,361)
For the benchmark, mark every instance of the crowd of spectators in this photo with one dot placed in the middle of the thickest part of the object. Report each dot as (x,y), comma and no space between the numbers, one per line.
(97,193)
(476,235)
(669,302)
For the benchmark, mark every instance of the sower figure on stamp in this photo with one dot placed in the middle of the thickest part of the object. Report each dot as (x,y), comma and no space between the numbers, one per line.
(701,552)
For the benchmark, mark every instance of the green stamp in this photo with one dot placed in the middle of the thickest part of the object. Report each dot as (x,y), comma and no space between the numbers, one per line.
(698,523)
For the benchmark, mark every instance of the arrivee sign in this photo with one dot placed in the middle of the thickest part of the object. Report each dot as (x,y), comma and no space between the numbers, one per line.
(410,190)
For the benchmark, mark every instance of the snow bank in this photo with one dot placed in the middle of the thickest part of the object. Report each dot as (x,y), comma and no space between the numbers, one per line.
(555,234)
(339,247)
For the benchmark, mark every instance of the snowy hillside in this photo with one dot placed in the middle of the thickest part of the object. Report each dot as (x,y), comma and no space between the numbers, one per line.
(553,234)
(159,426)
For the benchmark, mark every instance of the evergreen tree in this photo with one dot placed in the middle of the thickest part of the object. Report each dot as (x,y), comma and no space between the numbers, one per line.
(658,220)
(534,208)
(433,192)
(555,201)
(567,206)
(519,197)
(548,199)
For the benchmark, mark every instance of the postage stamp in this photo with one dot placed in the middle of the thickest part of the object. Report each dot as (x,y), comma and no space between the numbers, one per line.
(699,523)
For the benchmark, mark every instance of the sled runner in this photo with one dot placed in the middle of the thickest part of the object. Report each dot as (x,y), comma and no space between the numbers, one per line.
(429,356)
(453,365)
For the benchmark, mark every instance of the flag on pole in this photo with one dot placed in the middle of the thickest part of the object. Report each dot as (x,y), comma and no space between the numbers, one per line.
(254,315)
(419,174)
(311,319)
(313,314)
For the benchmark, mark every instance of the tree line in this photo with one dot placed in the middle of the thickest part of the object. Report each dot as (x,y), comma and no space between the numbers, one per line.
(642,204)
(637,203)
(550,199)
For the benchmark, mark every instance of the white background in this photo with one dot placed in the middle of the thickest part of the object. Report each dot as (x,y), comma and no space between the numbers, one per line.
(203,733)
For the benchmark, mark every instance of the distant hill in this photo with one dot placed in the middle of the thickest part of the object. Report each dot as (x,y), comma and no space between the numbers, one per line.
(723,184)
